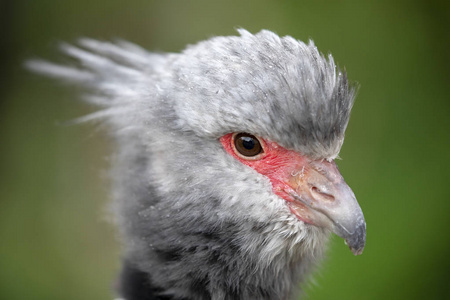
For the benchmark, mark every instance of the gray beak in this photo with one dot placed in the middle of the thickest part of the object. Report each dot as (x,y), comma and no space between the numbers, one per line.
(322,198)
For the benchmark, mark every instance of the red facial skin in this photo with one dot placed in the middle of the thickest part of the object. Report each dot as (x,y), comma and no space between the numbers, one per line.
(284,168)
(314,190)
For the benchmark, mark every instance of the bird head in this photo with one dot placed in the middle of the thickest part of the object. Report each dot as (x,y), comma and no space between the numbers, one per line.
(280,108)
(225,158)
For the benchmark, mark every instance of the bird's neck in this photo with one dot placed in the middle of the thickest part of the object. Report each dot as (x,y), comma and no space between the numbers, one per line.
(221,272)
(194,255)
(136,285)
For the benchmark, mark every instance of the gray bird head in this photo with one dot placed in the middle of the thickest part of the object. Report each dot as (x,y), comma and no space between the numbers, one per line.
(193,212)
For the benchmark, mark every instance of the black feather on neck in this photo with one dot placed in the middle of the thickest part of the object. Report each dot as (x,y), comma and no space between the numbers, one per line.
(135,285)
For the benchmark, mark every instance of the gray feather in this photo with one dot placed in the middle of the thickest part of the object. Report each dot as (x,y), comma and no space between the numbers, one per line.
(190,214)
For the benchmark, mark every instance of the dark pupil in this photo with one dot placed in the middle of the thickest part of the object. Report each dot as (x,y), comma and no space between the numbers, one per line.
(248,142)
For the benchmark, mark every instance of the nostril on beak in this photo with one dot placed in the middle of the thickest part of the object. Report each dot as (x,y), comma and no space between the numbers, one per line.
(321,195)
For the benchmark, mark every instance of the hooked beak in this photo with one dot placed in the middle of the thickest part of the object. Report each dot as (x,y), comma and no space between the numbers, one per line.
(320,196)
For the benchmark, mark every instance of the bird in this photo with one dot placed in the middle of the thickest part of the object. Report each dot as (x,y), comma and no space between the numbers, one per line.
(224,176)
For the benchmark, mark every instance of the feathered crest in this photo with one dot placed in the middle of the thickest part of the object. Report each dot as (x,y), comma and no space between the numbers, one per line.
(280,88)
(114,74)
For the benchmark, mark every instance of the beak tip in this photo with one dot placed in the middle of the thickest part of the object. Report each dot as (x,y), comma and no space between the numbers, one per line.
(357,241)
(358,251)
(355,250)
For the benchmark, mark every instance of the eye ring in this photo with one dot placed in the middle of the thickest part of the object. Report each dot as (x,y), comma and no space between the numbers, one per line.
(247,146)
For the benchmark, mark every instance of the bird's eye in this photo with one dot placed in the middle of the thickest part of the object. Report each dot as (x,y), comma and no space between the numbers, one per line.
(247,145)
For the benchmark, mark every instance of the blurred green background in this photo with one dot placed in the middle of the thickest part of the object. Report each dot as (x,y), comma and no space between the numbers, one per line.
(55,239)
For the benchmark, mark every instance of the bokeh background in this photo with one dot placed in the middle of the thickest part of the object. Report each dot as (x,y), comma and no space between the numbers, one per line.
(55,238)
